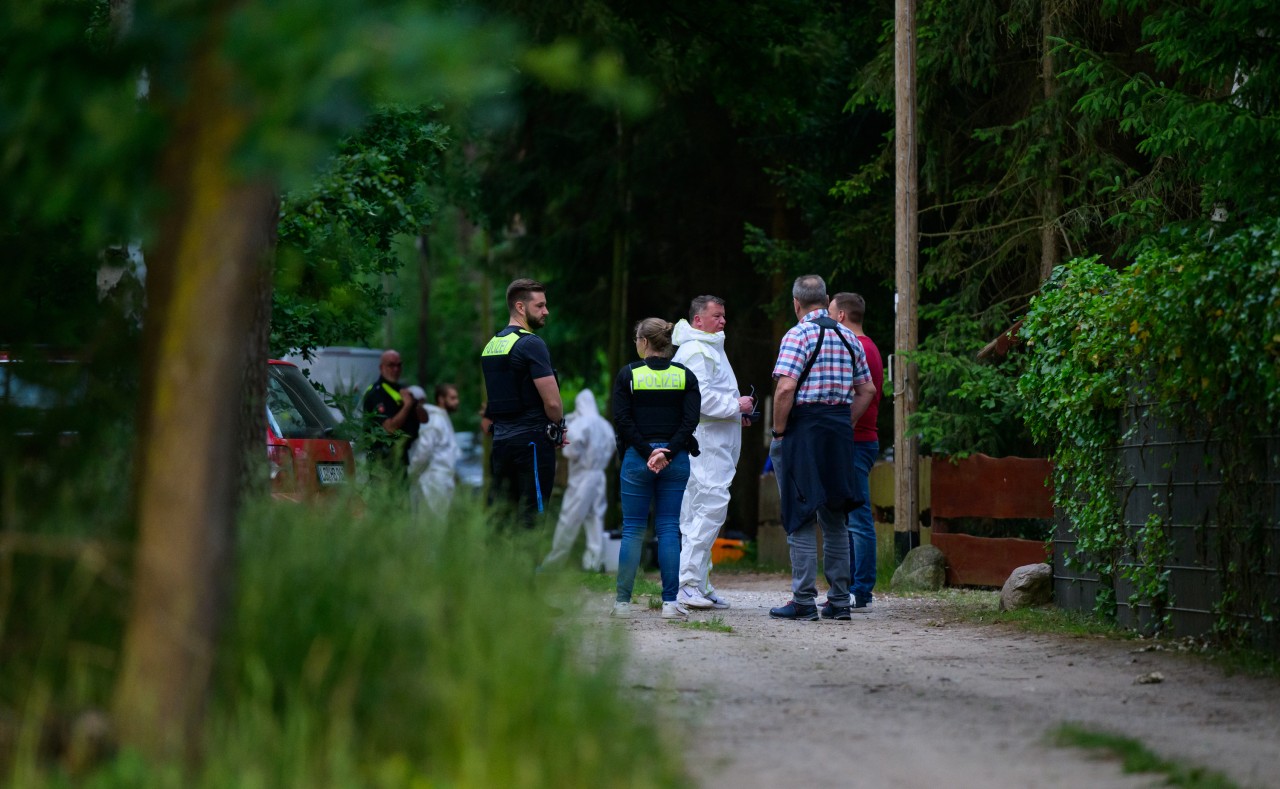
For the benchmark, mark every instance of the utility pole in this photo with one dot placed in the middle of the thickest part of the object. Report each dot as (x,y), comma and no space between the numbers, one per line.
(906,450)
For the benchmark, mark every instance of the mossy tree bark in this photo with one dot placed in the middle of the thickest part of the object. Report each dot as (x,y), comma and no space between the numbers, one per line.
(202,279)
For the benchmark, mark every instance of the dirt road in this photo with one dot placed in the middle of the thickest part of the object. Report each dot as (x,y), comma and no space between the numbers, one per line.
(902,697)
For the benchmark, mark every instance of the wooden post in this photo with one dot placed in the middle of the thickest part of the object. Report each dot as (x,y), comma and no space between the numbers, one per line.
(1051,207)
(906,450)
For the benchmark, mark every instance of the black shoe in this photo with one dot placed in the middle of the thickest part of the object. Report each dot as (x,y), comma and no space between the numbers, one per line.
(861,605)
(793,610)
(830,611)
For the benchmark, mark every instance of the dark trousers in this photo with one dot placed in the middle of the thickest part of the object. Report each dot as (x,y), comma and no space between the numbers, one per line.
(521,467)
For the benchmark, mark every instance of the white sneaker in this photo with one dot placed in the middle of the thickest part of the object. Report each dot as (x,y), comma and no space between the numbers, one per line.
(674,611)
(717,601)
(690,597)
(621,610)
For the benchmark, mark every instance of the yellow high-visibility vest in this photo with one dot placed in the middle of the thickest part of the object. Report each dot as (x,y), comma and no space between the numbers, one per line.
(646,379)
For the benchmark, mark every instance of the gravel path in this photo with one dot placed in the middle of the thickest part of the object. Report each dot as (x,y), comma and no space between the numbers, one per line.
(903,697)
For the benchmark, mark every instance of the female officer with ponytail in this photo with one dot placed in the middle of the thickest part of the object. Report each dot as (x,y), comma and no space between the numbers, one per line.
(655,406)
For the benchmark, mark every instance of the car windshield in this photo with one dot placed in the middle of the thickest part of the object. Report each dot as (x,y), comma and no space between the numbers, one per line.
(41,385)
(294,408)
(40,396)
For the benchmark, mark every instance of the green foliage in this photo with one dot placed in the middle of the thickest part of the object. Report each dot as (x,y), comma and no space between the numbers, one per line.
(1073,386)
(602,76)
(744,125)
(315,73)
(973,401)
(338,236)
(645,585)
(1098,338)
(982,606)
(370,649)
(74,142)
(715,624)
(1137,758)
(1120,145)
(1201,102)
(75,149)
(1000,159)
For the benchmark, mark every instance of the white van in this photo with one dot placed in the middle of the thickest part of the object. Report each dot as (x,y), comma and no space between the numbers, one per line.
(344,372)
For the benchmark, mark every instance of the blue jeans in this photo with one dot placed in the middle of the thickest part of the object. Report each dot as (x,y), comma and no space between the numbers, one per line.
(665,490)
(861,524)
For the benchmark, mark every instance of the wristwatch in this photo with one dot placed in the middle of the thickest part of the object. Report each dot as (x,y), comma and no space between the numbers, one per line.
(777,433)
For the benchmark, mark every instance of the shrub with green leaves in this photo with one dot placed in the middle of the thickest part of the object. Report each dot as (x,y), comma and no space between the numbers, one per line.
(1192,327)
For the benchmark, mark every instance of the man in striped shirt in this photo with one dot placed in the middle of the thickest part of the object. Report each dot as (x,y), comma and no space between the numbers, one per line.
(822,386)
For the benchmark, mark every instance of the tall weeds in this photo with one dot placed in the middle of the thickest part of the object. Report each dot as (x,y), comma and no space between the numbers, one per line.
(369,648)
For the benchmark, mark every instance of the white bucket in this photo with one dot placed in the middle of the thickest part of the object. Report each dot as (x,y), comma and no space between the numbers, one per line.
(612,545)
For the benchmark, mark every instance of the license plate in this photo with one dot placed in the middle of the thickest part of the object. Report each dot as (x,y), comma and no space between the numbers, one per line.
(331,473)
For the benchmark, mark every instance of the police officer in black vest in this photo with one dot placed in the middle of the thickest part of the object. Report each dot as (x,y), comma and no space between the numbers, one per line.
(524,405)
(396,415)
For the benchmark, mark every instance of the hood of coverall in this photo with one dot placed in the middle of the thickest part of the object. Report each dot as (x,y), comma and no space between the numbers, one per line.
(591,439)
(685,333)
(585,404)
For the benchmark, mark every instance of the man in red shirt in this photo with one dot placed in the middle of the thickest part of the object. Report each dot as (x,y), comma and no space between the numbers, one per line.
(848,309)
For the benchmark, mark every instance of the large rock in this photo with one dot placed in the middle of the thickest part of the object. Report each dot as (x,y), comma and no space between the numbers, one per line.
(923,569)
(1029,585)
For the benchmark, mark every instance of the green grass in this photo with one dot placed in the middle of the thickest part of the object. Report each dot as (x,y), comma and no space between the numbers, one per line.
(1137,758)
(715,624)
(363,650)
(1242,660)
(981,606)
(608,582)
(885,565)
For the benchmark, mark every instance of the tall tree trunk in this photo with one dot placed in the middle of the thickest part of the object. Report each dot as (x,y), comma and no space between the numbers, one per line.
(200,291)
(257,350)
(1051,207)
(618,280)
(424,308)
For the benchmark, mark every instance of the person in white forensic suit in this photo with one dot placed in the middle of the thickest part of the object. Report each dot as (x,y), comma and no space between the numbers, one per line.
(433,456)
(583,505)
(700,347)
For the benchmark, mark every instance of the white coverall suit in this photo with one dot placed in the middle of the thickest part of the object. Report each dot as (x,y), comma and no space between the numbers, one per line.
(591,446)
(433,459)
(719,434)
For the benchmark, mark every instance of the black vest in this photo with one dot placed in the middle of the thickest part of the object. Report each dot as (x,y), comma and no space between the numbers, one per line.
(510,394)
(657,400)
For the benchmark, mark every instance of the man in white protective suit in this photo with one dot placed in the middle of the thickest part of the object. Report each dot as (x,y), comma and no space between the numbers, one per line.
(583,505)
(700,342)
(433,455)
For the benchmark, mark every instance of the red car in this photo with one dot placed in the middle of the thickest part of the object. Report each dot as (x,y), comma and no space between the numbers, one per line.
(306,458)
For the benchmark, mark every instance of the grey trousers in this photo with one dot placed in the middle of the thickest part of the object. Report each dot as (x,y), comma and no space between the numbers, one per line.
(835,559)
(803,543)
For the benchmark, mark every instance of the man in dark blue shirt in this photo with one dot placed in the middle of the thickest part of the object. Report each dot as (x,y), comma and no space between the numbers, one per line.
(524,405)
